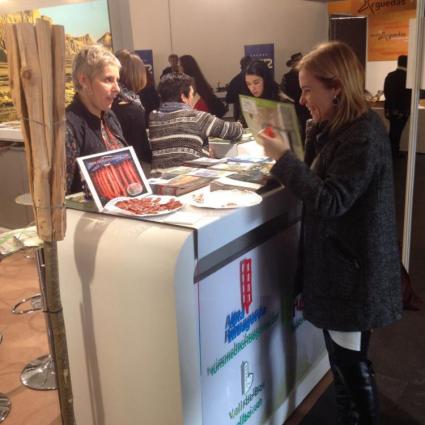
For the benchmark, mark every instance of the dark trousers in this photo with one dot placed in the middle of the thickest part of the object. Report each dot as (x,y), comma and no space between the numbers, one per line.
(356,393)
(396,129)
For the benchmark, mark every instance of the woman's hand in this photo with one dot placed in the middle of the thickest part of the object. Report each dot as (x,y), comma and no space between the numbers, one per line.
(212,152)
(274,144)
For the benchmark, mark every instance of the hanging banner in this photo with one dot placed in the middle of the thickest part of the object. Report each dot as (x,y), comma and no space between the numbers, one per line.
(369,7)
(379,7)
(388,35)
(264,52)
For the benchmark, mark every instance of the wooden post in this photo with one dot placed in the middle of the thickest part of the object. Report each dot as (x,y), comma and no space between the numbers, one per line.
(37,75)
(53,309)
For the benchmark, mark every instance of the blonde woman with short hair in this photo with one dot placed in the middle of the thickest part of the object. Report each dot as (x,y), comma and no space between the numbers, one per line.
(91,126)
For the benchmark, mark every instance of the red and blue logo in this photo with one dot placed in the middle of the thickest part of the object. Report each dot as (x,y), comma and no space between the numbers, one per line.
(240,321)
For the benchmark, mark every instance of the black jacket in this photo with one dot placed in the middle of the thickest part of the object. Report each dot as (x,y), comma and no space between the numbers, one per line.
(397,97)
(235,88)
(84,137)
(351,264)
(132,119)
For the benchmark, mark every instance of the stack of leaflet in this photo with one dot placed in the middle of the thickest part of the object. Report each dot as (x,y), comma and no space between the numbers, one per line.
(247,173)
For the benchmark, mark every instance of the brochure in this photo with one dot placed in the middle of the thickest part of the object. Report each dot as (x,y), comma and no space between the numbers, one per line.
(112,174)
(227,183)
(260,114)
(204,161)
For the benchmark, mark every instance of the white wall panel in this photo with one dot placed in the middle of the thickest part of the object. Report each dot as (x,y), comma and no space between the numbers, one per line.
(215,31)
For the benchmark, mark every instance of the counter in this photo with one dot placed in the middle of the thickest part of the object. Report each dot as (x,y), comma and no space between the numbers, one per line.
(191,324)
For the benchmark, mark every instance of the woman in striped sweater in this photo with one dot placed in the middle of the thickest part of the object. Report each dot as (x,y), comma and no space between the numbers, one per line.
(179,133)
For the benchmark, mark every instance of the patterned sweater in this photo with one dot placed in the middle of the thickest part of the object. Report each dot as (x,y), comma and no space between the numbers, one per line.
(179,133)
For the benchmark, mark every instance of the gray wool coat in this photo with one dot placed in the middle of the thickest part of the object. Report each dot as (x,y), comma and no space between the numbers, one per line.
(350,258)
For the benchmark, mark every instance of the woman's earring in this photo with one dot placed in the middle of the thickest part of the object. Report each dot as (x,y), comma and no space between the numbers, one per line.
(335,100)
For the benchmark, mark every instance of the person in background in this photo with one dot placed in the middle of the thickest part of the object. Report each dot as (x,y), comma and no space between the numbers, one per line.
(237,87)
(149,96)
(173,60)
(350,264)
(291,87)
(397,103)
(91,126)
(204,98)
(128,107)
(177,131)
(259,82)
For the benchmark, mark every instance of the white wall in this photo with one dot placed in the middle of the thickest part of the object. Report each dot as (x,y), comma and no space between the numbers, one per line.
(215,31)
(376,73)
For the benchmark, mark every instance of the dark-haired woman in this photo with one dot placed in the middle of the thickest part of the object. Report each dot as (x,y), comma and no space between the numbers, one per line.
(260,83)
(128,107)
(205,99)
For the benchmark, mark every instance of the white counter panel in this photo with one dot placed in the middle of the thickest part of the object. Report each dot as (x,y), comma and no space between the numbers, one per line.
(255,347)
(120,313)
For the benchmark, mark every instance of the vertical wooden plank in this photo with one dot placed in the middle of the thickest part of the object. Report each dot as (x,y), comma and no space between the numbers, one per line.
(32,87)
(44,43)
(58,165)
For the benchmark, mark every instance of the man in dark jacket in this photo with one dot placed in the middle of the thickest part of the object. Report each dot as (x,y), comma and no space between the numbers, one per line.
(173,60)
(397,103)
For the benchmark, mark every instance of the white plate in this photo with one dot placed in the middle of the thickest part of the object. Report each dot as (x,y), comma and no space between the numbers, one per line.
(225,199)
(113,208)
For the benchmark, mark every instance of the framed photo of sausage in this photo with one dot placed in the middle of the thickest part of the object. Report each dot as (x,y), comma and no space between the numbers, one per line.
(113,174)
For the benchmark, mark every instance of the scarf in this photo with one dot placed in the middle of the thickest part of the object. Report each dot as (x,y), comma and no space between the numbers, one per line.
(173,106)
(129,96)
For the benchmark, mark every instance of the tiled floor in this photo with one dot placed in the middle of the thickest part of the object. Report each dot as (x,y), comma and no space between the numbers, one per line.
(24,339)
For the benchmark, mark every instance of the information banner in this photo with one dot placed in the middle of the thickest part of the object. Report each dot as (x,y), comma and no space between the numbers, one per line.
(388,35)
(255,345)
(369,7)
(379,7)
(264,52)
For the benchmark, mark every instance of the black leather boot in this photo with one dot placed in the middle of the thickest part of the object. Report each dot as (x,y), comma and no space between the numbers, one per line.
(345,409)
(360,382)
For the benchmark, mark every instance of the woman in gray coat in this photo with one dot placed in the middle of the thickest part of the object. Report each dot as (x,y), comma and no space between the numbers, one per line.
(350,258)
